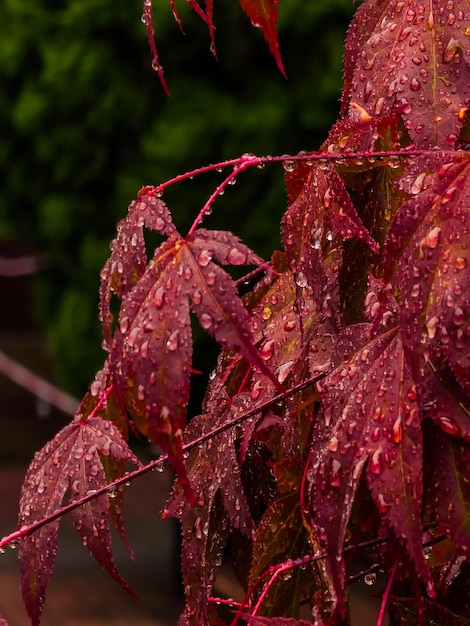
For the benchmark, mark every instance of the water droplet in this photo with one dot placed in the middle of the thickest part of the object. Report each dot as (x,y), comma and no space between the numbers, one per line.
(267,350)
(459,316)
(418,184)
(196,297)
(415,85)
(427,552)
(432,238)
(204,258)
(397,432)
(288,165)
(187,273)
(301,280)
(173,339)
(283,370)
(370,579)
(159,297)
(289,325)
(124,324)
(205,320)
(267,313)
(236,257)
(431,326)
(449,426)
(375,461)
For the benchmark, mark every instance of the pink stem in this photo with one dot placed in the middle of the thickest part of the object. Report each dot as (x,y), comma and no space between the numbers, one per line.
(386,594)
(37,385)
(128,477)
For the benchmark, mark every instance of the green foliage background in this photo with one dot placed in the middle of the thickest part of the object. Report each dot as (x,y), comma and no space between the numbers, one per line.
(84,124)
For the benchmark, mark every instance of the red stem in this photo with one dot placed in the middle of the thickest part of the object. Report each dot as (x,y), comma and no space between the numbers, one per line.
(28,530)
(386,594)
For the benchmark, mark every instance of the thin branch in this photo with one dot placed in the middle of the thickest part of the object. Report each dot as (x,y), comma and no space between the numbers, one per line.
(37,385)
(26,530)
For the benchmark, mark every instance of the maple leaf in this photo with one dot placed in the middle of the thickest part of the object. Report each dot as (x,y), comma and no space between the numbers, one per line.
(151,349)
(215,476)
(370,421)
(72,460)
(426,259)
(412,55)
(320,215)
(128,259)
(263,14)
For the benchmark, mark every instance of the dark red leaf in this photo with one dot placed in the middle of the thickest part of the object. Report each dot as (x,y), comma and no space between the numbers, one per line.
(426,256)
(72,460)
(370,423)
(321,215)
(412,56)
(263,14)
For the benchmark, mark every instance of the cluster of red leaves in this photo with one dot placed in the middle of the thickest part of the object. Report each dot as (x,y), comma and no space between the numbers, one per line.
(371,294)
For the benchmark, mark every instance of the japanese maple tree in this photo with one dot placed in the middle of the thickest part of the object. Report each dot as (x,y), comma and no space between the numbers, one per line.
(337,418)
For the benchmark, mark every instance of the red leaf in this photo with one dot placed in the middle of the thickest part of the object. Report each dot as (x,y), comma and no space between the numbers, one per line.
(151,351)
(321,215)
(410,55)
(71,460)
(426,256)
(263,14)
(370,416)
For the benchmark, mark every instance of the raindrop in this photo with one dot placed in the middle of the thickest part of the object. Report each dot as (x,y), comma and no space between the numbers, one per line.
(427,552)
(301,280)
(418,184)
(267,350)
(172,342)
(289,166)
(187,273)
(375,461)
(159,297)
(124,324)
(196,297)
(236,257)
(289,325)
(415,85)
(449,426)
(204,258)
(206,321)
(459,316)
(267,313)
(370,579)
(283,370)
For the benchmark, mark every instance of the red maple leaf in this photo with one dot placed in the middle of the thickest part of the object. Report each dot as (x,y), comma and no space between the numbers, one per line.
(71,461)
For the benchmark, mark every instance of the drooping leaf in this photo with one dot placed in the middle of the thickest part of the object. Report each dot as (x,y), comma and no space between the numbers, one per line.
(412,56)
(263,14)
(370,423)
(321,215)
(151,350)
(426,258)
(221,504)
(72,460)
(128,258)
